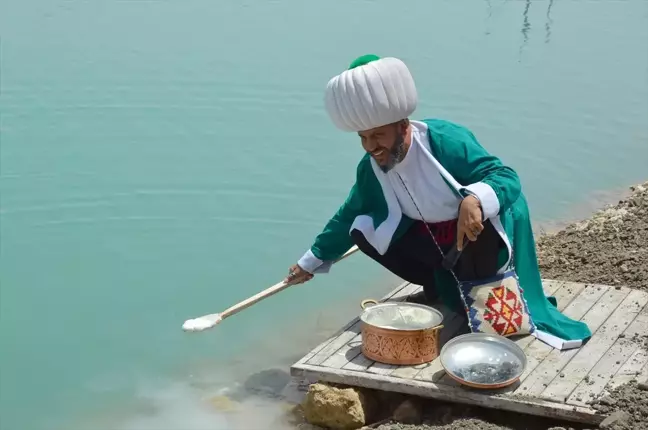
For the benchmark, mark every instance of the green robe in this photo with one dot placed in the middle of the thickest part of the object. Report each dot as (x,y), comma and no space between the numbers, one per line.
(463,162)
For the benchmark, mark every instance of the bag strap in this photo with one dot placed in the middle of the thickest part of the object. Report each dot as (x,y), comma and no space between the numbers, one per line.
(463,298)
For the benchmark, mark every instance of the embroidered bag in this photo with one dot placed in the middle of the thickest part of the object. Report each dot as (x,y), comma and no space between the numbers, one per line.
(495,305)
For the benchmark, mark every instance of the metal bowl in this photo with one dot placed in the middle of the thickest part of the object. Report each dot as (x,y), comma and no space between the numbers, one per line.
(482,360)
(400,315)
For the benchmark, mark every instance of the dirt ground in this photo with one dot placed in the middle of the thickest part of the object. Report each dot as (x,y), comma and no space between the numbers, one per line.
(611,248)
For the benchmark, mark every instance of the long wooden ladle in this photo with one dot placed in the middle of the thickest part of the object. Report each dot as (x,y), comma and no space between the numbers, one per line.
(208,321)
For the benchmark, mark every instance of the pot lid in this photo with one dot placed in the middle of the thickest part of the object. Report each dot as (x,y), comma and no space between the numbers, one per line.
(402,316)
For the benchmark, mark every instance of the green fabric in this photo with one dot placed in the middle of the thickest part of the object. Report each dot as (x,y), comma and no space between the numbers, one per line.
(365,197)
(457,149)
(459,152)
(362,60)
(543,310)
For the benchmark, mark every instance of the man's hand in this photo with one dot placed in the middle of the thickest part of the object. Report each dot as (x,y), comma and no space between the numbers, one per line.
(470,220)
(297,275)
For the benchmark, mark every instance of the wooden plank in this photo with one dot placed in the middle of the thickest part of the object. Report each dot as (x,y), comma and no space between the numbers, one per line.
(414,387)
(589,354)
(638,373)
(409,372)
(431,373)
(353,328)
(630,370)
(346,353)
(353,347)
(565,293)
(381,368)
(552,365)
(327,342)
(550,286)
(622,350)
(586,299)
(537,350)
(360,362)
(643,375)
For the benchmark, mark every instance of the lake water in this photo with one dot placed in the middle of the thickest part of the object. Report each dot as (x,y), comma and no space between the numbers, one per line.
(161,160)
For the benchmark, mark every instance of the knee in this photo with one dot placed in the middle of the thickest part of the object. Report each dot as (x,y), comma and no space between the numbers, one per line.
(358,238)
(361,241)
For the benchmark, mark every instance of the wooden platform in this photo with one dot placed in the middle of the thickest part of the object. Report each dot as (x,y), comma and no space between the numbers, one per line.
(556,384)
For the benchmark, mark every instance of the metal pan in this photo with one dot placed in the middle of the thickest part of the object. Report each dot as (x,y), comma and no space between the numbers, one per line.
(484,361)
(400,333)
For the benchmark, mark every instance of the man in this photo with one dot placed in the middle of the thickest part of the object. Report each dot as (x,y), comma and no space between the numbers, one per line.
(425,179)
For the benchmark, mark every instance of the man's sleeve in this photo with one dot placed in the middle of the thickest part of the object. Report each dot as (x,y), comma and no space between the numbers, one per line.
(335,239)
(483,175)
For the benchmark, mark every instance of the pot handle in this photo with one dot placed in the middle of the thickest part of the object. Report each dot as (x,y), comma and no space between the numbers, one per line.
(364,303)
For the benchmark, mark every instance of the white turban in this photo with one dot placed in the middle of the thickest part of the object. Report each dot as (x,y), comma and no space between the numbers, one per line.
(373,92)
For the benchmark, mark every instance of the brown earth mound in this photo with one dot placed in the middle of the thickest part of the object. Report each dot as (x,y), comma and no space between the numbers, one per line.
(609,248)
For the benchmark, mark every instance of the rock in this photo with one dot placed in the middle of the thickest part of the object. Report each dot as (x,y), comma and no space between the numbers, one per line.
(336,408)
(224,404)
(617,418)
(608,401)
(408,412)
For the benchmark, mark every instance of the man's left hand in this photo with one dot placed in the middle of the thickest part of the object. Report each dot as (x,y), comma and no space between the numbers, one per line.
(470,220)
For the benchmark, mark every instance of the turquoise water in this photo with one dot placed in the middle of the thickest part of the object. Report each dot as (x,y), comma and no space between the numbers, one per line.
(161,160)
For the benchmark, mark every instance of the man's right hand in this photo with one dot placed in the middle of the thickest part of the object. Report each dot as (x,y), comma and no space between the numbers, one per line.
(297,275)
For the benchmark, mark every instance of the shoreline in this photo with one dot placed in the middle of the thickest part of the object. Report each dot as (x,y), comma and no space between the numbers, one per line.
(608,247)
(586,208)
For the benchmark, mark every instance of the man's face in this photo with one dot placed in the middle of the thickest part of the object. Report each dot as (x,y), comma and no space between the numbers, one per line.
(386,144)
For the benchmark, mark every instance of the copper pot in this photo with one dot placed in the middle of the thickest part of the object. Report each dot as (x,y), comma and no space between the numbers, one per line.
(400,333)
